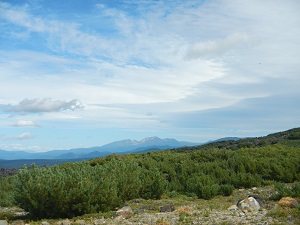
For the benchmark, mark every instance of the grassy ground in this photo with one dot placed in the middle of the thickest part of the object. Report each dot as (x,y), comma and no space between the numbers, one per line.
(188,210)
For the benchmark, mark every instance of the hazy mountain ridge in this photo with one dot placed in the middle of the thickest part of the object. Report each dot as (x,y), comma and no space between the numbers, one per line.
(122,147)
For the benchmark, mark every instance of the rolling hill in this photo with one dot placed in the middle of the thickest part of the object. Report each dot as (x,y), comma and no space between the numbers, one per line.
(290,138)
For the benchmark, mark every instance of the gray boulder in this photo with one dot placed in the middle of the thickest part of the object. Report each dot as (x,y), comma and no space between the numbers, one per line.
(248,205)
(167,208)
(259,199)
(124,212)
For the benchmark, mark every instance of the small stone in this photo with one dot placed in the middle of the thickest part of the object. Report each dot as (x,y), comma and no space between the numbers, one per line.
(235,213)
(99,221)
(138,200)
(3,222)
(288,202)
(65,222)
(167,208)
(45,223)
(81,222)
(233,208)
(139,211)
(124,212)
(18,222)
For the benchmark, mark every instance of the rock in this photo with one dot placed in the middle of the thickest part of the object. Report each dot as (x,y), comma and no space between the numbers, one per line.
(21,213)
(99,221)
(45,223)
(233,208)
(81,222)
(139,211)
(235,213)
(18,222)
(167,208)
(138,200)
(3,222)
(149,207)
(248,205)
(288,202)
(184,209)
(124,212)
(65,222)
(259,199)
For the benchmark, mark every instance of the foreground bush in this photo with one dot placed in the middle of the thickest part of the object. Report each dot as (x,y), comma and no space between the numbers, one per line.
(75,189)
(6,191)
(284,190)
(60,191)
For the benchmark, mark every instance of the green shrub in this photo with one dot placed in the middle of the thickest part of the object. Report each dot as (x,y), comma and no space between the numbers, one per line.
(282,190)
(226,189)
(296,189)
(153,184)
(6,191)
(65,191)
(209,191)
(126,174)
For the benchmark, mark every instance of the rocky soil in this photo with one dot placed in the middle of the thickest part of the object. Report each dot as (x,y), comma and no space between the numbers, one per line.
(182,210)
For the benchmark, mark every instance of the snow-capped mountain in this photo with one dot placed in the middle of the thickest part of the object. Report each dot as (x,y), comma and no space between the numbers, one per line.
(123,146)
(131,145)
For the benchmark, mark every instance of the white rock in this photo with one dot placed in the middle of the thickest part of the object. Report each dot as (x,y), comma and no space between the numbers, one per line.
(249,205)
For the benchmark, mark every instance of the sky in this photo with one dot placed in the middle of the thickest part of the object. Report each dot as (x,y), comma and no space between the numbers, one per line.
(83,73)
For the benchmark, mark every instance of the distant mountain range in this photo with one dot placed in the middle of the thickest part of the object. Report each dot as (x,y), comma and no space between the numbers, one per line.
(120,147)
(16,159)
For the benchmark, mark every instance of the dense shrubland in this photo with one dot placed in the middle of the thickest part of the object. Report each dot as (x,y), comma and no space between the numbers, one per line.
(105,183)
(289,138)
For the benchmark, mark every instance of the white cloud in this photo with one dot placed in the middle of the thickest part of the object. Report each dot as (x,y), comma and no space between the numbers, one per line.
(23,136)
(25,123)
(18,147)
(42,105)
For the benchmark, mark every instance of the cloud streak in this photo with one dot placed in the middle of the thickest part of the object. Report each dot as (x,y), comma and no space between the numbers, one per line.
(25,123)
(217,47)
(23,136)
(41,106)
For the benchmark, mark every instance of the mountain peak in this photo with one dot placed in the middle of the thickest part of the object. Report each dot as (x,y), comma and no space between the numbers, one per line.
(147,139)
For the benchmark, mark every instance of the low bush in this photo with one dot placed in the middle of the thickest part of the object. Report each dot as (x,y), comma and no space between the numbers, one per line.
(285,190)
(6,191)
(226,189)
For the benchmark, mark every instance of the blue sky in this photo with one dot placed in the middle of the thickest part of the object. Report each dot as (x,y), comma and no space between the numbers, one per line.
(83,73)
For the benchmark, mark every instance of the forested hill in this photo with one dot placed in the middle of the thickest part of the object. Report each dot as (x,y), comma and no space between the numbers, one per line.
(290,138)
